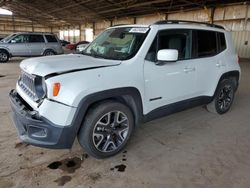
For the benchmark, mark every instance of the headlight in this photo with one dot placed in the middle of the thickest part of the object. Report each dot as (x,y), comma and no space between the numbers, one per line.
(40,87)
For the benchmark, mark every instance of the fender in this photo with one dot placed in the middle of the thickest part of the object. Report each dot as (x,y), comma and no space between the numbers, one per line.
(128,95)
(230,74)
(5,48)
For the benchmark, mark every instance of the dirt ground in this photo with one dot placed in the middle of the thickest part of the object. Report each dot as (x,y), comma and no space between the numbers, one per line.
(189,149)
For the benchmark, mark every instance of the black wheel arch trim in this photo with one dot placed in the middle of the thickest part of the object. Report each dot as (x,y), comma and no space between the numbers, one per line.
(226,75)
(128,95)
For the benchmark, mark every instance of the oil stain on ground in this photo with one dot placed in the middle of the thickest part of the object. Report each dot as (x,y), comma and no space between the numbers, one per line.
(68,165)
(63,180)
(121,167)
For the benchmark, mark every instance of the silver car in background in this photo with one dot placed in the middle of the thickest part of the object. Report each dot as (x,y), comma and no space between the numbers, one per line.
(28,45)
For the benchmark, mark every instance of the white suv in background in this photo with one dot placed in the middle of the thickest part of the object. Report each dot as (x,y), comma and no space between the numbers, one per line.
(128,75)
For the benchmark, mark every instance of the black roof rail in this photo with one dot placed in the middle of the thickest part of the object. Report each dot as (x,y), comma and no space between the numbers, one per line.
(186,21)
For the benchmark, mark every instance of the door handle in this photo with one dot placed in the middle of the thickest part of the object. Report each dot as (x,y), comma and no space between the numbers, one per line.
(220,64)
(186,69)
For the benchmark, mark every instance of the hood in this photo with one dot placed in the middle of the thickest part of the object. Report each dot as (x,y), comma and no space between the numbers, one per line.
(58,64)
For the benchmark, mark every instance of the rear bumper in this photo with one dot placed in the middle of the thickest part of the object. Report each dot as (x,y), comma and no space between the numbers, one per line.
(37,130)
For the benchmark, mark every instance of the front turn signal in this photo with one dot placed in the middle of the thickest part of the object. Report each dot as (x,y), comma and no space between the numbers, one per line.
(56,89)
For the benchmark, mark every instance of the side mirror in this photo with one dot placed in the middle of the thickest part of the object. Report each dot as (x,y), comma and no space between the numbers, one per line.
(167,55)
(12,41)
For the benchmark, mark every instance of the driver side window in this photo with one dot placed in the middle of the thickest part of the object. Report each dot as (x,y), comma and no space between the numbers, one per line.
(178,39)
(20,39)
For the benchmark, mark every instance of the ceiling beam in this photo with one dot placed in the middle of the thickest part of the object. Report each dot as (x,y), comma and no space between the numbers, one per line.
(68,6)
(135,5)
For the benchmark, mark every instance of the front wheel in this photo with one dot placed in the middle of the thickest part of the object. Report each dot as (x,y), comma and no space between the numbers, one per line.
(223,98)
(4,56)
(106,129)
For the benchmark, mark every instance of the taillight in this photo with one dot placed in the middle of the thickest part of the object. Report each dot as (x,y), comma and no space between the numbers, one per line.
(56,89)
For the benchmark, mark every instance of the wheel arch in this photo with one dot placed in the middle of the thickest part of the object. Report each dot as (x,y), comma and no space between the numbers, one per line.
(129,96)
(6,50)
(231,74)
(48,49)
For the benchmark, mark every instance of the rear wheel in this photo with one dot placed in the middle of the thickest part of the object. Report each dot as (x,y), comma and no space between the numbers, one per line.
(106,129)
(4,56)
(49,53)
(223,98)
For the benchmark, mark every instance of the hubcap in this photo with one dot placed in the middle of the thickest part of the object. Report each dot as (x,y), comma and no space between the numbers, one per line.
(225,97)
(3,57)
(49,53)
(110,131)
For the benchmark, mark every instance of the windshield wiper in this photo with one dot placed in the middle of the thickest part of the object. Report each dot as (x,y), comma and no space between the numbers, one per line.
(96,55)
(93,54)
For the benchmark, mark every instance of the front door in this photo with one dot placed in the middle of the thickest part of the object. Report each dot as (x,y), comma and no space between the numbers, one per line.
(173,81)
(18,45)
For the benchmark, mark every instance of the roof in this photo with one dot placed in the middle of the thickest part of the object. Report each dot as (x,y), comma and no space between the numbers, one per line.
(40,33)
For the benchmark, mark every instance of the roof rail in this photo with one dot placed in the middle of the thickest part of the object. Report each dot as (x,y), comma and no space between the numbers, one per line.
(186,21)
(118,25)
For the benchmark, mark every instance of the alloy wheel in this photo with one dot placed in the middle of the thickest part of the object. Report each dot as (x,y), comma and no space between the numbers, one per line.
(110,131)
(225,98)
(49,53)
(3,57)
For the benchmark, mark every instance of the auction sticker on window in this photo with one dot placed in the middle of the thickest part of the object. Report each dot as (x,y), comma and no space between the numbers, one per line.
(139,30)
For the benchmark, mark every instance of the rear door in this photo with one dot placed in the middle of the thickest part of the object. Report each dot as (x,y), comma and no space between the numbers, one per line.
(36,44)
(53,43)
(209,59)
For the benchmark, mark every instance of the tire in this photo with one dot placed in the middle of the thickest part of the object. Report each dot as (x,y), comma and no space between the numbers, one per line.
(49,53)
(223,98)
(4,56)
(100,135)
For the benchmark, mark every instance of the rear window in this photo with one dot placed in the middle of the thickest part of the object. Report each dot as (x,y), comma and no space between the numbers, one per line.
(222,42)
(36,38)
(51,38)
(206,43)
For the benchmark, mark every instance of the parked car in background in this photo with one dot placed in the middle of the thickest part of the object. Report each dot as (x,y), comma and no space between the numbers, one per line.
(81,47)
(64,42)
(73,46)
(29,44)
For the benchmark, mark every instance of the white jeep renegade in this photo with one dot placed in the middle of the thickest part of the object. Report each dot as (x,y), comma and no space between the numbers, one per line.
(129,74)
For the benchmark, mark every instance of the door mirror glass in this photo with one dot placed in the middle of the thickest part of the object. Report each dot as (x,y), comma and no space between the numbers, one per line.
(167,55)
(12,41)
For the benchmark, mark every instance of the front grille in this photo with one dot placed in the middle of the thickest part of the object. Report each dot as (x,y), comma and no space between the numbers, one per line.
(27,83)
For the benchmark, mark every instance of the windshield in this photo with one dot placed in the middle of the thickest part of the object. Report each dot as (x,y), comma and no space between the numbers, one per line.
(117,43)
(6,39)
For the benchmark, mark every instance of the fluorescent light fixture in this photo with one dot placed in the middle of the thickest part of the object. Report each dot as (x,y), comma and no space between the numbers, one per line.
(5,12)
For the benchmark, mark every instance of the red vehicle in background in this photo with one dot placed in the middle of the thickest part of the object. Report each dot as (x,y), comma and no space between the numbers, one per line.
(73,46)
